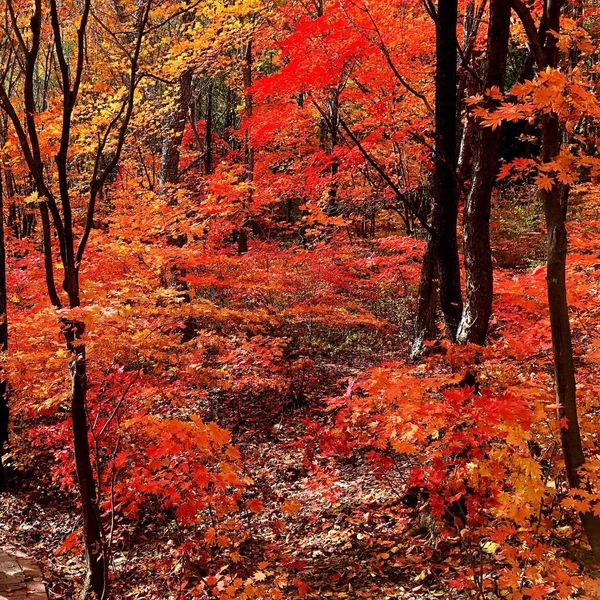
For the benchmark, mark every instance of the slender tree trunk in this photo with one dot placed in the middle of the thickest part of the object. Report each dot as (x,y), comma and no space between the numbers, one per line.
(333,207)
(10,183)
(93,533)
(230,118)
(445,209)
(4,409)
(466,88)
(249,105)
(442,242)
(427,301)
(169,171)
(242,241)
(208,142)
(242,234)
(476,224)
(465,151)
(555,207)
(92,527)
(555,202)
(48,259)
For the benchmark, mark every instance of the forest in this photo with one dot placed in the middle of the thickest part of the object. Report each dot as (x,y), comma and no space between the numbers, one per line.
(299,299)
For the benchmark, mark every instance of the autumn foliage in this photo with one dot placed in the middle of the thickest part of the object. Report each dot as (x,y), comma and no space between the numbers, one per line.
(230,359)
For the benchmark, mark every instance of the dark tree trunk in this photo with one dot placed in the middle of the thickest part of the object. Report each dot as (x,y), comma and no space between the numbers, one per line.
(555,209)
(208,142)
(465,151)
(229,113)
(476,225)
(169,171)
(333,208)
(442,242)
(97,568)
(466,88)
(445,209)
(249,105)
(93,532)
(242,234)
(242,241)
(48,259)
(426,302)
(4,410)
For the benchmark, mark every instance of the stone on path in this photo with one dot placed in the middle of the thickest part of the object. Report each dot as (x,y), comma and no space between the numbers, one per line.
(20,578)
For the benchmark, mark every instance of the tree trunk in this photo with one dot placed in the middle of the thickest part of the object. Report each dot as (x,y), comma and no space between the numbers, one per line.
(208,142)
(93,533)
(242,241)
(231,117)
(562,347)
(242,234)
(169,171)
(426,302)
(466,88)
(333,207)
(97,569)
(4,409)
(476,226)
(445,209)
(465,153)
(48,259)
(555,202)
(249,105)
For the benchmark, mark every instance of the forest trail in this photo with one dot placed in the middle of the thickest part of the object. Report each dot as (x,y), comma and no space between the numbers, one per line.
(20,578)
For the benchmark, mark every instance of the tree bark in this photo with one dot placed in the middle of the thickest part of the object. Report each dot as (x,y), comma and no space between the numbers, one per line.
(242,233)
(169,171)
(4,408)
(48,259)
(445,209)
(555,208)
(476,224)
(427,301)
(333,207)
(467,87)
(97,569)
(555,201)
(249,104)
(208,142)
(465,151)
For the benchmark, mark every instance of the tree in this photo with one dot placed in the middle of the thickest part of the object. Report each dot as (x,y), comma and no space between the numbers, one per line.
(476,222)
(58,202)
(444,214)
(440,271)
(169,169)
(554,196)
(4,408)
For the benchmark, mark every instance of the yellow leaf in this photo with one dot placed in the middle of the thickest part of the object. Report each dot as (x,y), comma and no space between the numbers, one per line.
(490,547)
(33,198)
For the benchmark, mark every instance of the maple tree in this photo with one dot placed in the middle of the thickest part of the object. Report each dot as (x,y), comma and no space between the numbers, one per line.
(227,231)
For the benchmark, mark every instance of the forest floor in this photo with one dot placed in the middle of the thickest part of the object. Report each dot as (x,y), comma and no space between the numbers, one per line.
(358,536)
(20,577)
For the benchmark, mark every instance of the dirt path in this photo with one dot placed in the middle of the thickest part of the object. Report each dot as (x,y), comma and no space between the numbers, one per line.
(20,578)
